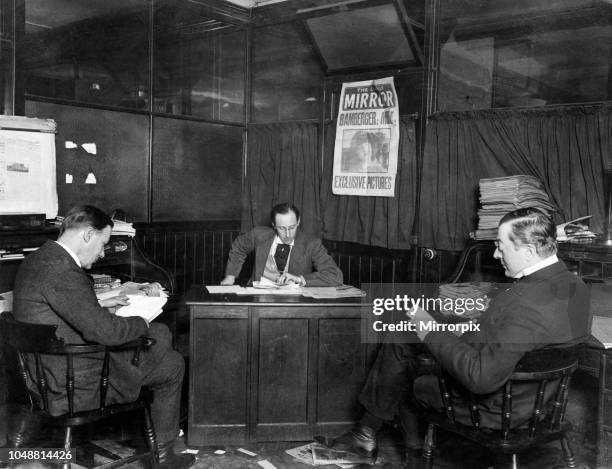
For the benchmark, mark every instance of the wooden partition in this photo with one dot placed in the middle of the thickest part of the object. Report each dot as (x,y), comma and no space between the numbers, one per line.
(196,253)
(112,175)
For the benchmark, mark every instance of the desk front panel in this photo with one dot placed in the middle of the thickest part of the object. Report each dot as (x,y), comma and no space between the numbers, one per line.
(218,374)
(295,371)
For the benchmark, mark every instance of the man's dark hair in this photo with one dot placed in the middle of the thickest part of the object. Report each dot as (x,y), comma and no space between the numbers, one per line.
(532,226)
(281,209)
(85,215)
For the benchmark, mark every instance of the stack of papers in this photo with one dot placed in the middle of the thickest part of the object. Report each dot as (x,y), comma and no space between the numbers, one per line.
(575,232)
(499,196)
(123,228)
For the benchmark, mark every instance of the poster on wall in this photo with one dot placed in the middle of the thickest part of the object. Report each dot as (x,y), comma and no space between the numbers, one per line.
(27,166)
(367,139)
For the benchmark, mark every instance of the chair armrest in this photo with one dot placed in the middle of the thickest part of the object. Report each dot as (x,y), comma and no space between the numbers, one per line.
(142,343)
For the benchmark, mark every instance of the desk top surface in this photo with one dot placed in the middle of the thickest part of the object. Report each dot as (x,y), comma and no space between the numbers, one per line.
(198,295)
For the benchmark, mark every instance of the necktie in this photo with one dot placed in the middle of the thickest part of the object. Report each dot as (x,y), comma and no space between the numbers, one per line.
(281,255)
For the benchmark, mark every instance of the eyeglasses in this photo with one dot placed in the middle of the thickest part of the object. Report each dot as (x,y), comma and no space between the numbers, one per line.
(286,229)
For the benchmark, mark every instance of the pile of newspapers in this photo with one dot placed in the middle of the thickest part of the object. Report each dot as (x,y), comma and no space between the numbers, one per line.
(123,228)
(499,196)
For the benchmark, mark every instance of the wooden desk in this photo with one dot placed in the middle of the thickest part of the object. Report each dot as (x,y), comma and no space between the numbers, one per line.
(270,368)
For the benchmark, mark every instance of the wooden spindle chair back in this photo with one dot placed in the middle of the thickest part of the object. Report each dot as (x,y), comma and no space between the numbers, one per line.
(35,341)
(547,367)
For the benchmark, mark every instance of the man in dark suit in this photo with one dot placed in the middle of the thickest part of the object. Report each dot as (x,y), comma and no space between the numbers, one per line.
(283,253)
(51,287)
(547,306)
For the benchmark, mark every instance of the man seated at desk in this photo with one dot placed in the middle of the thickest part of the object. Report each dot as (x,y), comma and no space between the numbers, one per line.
(52,287)
(283,253)
(546,306)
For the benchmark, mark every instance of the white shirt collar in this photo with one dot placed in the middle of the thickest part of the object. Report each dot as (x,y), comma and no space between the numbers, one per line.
(538,266)
(277,240)
(71,252)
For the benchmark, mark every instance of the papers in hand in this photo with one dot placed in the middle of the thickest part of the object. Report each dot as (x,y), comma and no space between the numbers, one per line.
(147,307)
(146,299)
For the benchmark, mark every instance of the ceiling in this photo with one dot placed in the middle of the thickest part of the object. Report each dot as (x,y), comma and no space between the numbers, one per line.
(45,14)
(253,3)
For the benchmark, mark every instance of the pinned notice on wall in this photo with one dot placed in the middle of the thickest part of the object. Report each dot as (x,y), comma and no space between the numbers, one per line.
(90,148)
(91,179)
(69,178)
(27,166)
(70,144)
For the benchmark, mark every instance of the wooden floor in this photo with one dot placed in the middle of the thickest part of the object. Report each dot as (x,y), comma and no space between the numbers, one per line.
(451,453)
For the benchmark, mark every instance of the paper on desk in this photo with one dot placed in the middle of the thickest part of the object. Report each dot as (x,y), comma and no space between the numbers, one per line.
(213,289)
(296,290)
(344,291)
(6,301)
(601,329)
(561,234)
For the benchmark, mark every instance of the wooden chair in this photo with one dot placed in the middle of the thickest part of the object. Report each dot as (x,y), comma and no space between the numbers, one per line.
(546,367)
(37,340)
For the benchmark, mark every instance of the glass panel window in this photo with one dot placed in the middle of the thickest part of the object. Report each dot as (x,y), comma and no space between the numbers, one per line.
(93,52)
(287,74)
(511,53)
(199,63)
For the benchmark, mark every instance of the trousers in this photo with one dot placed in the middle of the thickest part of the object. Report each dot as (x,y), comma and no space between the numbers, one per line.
(392,381)
(162,369)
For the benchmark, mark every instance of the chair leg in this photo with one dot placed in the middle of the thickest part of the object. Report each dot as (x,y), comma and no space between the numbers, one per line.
(150,438)
(428,446)
(568,454)
(68,446)
(22,424)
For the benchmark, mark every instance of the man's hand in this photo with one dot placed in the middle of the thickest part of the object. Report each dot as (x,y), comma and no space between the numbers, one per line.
(114,303)
(287,278)
(420,318)
(119,300)
(228,280)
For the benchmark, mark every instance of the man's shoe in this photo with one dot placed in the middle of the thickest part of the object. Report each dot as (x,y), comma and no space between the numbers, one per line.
(168,459)
(360,440)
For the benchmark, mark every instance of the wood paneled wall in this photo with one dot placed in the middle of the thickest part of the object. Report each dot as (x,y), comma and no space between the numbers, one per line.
(197,253)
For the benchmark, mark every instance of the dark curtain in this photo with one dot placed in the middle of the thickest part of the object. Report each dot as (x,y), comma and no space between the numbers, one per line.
(566,148)
(377,221)
(282,166)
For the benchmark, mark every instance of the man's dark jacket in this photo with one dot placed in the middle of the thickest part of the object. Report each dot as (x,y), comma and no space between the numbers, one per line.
(308,257)
(50,288)
(548,308)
